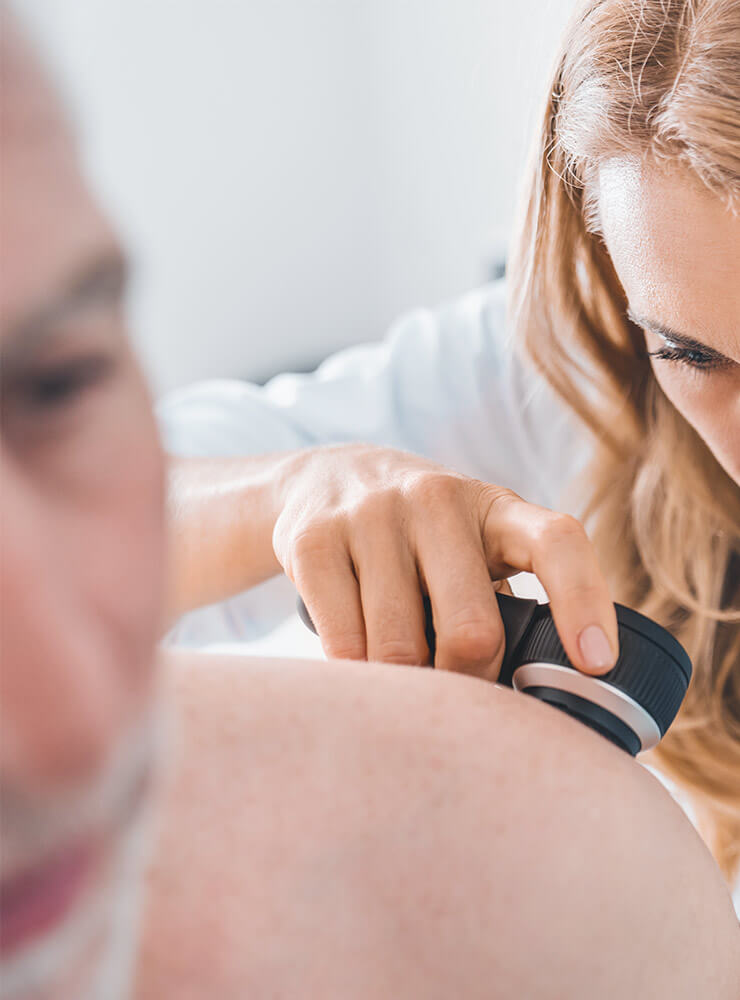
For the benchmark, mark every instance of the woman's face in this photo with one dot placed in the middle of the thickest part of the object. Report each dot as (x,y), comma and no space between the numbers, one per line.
(676,250)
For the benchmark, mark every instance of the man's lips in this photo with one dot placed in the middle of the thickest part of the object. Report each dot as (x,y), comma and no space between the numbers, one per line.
(32,902)
(35,899)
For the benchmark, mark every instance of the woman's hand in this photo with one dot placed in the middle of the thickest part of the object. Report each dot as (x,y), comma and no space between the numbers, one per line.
(363,531)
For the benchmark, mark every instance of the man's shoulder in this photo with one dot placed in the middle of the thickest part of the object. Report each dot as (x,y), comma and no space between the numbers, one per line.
(406,831)
(462,716)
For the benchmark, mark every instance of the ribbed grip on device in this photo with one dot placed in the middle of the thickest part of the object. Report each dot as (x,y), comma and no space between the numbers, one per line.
(652,668)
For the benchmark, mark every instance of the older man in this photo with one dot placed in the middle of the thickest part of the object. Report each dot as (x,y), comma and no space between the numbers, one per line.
(333,831)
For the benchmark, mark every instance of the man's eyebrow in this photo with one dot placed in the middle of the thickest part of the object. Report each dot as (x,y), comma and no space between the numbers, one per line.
(679,339)
(101,280)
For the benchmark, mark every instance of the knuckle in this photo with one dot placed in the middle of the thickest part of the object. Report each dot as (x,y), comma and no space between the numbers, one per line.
(313,542)
(435,489)
(435,495)
(558,529)
(472,639)
(399,650)
(316,548)
(497,497)
(494,503)
(345,646)
(378,507)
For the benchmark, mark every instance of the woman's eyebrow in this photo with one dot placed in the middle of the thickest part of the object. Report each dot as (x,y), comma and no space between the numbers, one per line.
(102,279)
(679,339)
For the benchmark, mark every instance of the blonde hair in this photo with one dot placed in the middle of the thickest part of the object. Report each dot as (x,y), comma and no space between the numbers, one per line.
(658,79)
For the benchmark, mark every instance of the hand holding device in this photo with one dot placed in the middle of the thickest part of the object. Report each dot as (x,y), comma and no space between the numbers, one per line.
(363,531)
(632,705)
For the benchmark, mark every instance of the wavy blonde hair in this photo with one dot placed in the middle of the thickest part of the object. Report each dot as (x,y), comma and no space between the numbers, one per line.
(658,79)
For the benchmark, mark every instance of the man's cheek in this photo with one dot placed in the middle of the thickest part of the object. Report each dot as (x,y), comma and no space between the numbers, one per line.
(125,561)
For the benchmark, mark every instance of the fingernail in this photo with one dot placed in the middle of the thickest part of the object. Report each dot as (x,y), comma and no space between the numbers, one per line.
(595,648)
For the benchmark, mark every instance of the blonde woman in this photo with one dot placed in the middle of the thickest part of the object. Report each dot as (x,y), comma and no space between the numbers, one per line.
(605,393)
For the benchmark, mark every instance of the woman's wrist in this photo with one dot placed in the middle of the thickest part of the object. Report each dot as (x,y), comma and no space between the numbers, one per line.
(222,513)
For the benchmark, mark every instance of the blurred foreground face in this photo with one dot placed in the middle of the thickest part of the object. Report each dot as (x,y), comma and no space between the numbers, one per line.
(81,544)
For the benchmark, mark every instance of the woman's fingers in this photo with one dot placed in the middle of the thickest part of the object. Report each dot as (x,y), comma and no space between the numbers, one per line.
(388,519)
(469,632)
(391,597)
(556,548)
(321,569)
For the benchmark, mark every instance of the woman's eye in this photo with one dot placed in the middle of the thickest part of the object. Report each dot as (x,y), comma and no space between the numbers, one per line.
(694,359)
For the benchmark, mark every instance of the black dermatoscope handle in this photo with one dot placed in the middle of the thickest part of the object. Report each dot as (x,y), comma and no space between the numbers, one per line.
(632,705)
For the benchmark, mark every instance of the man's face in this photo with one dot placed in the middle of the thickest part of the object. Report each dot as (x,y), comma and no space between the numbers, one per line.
(81,566)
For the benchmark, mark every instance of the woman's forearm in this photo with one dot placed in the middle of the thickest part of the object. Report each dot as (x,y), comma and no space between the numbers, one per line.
(222,513)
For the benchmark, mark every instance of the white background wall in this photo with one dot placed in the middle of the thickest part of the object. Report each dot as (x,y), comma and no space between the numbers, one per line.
(290,174)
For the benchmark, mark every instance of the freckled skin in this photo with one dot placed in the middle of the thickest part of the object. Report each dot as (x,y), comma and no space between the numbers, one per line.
(676,249)
(368,831)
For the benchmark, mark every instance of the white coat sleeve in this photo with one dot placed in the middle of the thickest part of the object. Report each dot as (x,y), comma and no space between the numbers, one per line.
(444,384)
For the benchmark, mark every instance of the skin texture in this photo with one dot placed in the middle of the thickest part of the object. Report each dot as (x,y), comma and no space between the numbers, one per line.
(676,250)
(354,830)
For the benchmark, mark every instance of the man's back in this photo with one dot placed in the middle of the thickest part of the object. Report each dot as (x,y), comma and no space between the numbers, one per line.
(347,830)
